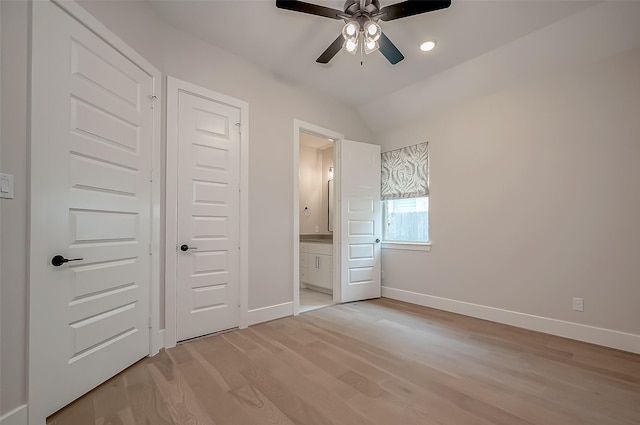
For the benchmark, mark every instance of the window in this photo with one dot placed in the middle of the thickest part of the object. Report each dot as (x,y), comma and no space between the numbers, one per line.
(405,194)
(406,220)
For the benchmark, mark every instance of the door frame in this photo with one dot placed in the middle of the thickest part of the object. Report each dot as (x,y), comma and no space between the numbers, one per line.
(174,87)
(38,124)
(298,126)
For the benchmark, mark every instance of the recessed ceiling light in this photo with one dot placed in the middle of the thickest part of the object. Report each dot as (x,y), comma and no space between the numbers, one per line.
(427,45)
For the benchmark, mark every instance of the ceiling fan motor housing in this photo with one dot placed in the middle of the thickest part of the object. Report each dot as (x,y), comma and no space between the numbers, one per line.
(361,8)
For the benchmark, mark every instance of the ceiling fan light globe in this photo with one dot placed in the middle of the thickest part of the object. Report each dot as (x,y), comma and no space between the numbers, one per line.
(350,30)
(351,46)
(371,46)
(372,30)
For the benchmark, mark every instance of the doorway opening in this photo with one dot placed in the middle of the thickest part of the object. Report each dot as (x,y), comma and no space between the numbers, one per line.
(315,171)
(316,239)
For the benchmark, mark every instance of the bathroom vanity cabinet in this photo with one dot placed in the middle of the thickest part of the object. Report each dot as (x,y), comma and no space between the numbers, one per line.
(316,265)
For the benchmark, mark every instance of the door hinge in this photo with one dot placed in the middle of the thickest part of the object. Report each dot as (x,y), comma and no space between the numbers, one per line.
(149,322)
(153,98)
(239,127)
(150,249)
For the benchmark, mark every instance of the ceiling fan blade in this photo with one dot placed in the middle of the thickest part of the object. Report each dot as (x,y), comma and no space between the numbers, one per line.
(331,51)
(410,8)
(312,9)
(389,50)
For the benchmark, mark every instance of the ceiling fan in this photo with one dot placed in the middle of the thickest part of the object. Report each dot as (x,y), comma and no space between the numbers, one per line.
(361,29)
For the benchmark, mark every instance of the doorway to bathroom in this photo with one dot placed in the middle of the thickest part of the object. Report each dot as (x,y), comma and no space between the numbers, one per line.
(354,244)
(316,243)
(315,170)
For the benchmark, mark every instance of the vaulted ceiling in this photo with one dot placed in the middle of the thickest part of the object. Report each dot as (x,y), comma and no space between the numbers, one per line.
(287,43)
(483,47)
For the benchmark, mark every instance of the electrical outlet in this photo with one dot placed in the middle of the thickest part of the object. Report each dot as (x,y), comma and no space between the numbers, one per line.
(578,304)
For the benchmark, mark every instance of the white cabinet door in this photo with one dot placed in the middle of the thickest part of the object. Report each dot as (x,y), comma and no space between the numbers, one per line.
(360,220)
(208,266)
(324,272)
(319,265)
(91,146)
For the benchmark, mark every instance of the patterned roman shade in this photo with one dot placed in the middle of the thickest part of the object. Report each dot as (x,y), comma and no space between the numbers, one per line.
(405,172)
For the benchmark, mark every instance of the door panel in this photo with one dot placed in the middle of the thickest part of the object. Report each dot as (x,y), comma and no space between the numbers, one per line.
(208,216)
(360,220)
(93,140)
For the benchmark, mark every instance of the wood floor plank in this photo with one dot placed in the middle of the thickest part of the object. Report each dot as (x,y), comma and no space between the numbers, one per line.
(122,417)
(147,405)
(110,397)
(268,413)
(315,388)
(79,412)
(377,362)
(218,403)
(288,402)
(176,391)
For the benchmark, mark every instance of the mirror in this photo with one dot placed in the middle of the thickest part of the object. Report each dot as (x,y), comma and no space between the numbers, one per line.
(330,203)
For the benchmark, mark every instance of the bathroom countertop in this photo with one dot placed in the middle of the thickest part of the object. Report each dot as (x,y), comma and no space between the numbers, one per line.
(320,238)
(329,241)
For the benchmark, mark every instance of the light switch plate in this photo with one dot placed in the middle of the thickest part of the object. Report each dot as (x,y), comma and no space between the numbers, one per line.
(6,186)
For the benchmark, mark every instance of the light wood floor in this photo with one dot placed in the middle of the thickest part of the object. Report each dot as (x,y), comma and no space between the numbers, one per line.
(376,362)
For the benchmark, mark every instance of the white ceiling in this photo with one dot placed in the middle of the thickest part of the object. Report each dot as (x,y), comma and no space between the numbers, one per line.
(287,43)
(313,141)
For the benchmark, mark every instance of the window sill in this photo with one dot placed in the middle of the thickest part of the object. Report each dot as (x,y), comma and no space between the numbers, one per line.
(407,246)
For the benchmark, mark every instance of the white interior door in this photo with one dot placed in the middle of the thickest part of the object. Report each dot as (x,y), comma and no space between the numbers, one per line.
(91,147)
(208,216)
(360,219)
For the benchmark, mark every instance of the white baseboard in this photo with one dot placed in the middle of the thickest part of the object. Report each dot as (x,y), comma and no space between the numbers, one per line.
(17,416)
(600,336)
(271,312)
(157,342)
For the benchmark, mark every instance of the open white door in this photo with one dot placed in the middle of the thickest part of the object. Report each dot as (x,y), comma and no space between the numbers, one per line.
(91,159)
(360,220)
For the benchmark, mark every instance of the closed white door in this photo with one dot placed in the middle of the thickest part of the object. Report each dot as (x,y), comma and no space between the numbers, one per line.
(91,158)
(208,184)
(360,220)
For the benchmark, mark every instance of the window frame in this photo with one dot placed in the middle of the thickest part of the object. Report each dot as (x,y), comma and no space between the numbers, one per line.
(407,245)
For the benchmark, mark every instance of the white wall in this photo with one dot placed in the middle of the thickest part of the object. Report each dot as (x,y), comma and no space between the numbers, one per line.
(273,106)
(13,244)
(310,185)
(314,175)
(534,199)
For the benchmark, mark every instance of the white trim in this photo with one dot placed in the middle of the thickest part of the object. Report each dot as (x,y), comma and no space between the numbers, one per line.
(170,214)
(407,246)
(594,335)
(272,312)
(298,126)
(17,416)
(37,211)
(174,86)
(157,342)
